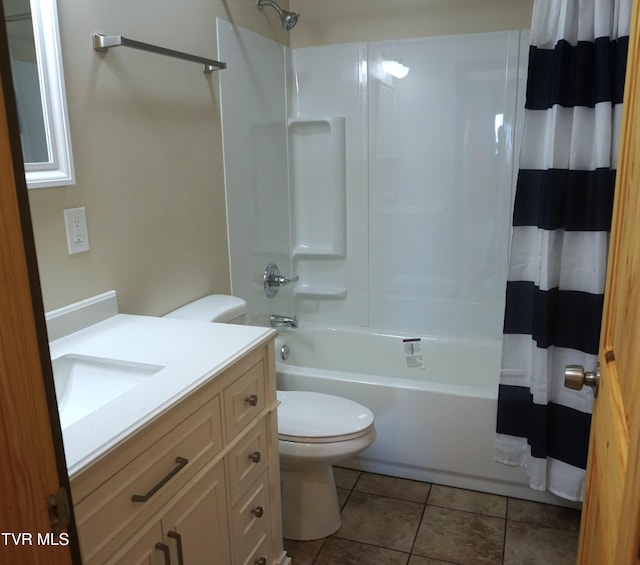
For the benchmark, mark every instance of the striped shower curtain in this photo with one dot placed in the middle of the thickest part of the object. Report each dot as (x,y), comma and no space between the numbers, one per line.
(561,224)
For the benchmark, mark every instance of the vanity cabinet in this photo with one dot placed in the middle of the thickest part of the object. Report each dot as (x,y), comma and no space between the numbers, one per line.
(199,484)
(192,529)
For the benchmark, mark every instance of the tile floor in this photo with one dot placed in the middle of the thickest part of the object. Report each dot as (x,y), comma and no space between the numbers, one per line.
(389,521)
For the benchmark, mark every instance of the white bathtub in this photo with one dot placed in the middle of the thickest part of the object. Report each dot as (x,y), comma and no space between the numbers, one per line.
(434,423)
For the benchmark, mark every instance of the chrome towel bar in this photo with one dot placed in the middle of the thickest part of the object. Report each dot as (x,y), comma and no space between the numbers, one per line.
(103,43)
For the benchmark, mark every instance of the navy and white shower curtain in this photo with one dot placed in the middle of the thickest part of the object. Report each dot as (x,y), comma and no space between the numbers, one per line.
(561,223)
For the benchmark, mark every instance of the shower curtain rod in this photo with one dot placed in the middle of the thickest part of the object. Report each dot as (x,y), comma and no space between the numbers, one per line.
(103,43)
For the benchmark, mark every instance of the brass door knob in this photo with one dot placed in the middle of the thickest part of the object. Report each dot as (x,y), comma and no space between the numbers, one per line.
(575,378)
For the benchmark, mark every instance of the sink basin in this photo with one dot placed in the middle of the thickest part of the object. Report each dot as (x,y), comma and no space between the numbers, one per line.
(83,384)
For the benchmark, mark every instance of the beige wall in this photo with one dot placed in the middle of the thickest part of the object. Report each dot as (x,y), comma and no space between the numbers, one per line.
(146,135)
(344,21)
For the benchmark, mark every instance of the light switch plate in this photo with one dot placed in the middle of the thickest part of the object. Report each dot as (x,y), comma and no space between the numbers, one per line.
(75,221)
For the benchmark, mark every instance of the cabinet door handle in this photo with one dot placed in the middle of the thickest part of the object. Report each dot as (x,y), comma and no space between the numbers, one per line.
(167,553)
(181,462)
(261,561)
(258,511)
(176,536)
(252,400)
(255,456)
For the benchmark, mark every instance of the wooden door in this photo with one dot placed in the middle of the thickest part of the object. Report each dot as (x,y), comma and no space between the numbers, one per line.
(32,466)
(610,530)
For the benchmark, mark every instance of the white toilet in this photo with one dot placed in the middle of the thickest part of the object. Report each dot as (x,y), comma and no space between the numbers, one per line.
(213,308)
(315,432)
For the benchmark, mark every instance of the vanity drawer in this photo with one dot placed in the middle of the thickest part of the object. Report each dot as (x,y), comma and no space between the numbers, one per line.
(247,459)
(244,399)
(256,554)
(251,520)
(108,515)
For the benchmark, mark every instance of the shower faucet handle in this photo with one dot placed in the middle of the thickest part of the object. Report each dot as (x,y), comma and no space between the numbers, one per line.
(273,280)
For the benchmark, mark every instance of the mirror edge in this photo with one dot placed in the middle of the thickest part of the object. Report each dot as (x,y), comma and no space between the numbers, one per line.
(59,171)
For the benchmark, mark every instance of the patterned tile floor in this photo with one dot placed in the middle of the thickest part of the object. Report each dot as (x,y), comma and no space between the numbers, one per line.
(389,521)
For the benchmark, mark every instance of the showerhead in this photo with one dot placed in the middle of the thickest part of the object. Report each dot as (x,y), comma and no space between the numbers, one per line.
(288,19)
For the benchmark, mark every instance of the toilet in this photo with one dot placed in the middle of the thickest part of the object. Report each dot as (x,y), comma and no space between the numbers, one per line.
(315,432)
(213,308)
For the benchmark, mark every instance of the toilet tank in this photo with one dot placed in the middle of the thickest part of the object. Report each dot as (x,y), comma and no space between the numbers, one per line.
(213,308)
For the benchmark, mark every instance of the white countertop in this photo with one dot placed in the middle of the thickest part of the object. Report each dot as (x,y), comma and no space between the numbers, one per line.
(190,352)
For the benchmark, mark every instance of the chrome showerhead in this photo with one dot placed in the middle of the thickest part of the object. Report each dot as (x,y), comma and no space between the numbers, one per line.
(288,19)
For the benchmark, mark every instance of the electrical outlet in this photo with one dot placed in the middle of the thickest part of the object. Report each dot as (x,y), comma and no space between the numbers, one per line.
(75,221)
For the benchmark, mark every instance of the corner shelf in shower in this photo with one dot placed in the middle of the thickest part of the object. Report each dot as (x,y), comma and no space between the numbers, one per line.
(308,291)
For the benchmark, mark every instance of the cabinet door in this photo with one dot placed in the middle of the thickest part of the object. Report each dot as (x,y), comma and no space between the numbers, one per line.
(196,523)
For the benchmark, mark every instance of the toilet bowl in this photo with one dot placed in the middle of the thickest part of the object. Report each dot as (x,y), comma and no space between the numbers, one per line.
(315,431)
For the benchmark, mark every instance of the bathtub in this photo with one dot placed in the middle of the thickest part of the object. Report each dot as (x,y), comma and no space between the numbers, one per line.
(434,402)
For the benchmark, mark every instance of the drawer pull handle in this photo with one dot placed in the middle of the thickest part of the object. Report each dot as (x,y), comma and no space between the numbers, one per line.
(255,457)
(261,561)
(258,511)
(181,462)
(252,400)
(167,552)
(176,536)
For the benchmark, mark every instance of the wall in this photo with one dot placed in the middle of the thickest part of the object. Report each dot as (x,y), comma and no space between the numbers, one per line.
(340,21)
(255,151)
(146,139)
(397,213)
(426,199)
(441,180)
(330,224)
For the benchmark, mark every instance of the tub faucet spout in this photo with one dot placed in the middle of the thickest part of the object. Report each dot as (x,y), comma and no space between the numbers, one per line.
(279,321)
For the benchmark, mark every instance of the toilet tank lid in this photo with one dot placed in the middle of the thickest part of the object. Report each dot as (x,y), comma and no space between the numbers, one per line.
(212,308)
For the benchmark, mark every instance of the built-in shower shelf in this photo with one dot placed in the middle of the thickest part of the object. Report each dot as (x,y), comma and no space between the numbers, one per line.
(319,186)
(307,291)
(413,210)
(302,251)
(314,121)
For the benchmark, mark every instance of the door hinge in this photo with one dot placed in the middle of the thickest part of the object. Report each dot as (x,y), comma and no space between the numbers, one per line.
(58,506)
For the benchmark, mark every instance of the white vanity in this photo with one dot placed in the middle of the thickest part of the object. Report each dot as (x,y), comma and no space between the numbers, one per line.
(182,465)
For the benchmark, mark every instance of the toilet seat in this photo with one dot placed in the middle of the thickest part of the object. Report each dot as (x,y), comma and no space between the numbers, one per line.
(313,417)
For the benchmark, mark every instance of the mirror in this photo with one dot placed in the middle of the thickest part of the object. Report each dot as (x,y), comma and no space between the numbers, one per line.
(36,66)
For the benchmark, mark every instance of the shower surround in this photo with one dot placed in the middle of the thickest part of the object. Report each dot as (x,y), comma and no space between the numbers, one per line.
(390,197)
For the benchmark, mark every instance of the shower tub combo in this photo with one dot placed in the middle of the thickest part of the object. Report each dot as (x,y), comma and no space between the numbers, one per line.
(381,214)
(434,402)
